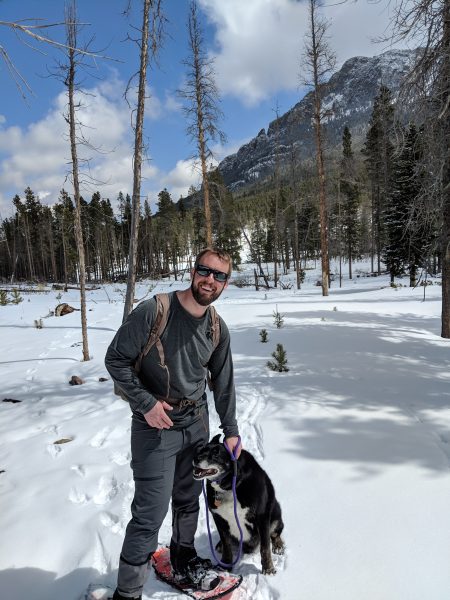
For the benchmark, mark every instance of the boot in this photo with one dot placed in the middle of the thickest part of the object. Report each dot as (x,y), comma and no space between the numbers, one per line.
(190,569)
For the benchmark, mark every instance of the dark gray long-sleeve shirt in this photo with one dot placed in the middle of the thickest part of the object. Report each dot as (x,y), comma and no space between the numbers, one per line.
(188,349)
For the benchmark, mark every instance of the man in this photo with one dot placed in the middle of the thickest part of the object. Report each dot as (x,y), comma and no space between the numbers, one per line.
(170,420)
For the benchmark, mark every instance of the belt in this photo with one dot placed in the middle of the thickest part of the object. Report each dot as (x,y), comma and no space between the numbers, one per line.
(179,402)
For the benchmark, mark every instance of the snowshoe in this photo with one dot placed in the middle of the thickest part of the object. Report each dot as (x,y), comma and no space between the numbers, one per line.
(191,583)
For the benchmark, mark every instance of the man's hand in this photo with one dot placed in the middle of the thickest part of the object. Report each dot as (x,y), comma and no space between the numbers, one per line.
(157,417)
(232,442)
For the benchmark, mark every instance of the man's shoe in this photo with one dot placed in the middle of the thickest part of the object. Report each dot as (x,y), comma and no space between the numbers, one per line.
(118,596)
(197,575)
(180,556)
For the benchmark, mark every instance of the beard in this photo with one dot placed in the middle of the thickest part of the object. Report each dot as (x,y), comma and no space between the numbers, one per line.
(205,298)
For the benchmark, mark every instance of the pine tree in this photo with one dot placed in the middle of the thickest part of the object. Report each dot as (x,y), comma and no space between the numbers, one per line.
(64,237)
(167,220)
(263,335)
(280,362)
(429,22)
(224,213)
(278,318)
(378,150)
(408,238)
(349,189)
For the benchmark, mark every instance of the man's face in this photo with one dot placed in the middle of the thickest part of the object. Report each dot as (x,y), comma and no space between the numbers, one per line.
(207,289)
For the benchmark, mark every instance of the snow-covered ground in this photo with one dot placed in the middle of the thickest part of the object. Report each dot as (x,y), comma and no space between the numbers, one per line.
(356,438)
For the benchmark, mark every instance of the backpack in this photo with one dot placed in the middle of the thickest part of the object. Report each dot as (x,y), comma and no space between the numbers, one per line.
(154,339)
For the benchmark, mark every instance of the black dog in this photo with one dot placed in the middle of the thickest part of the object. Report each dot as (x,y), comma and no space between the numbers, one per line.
(258,509)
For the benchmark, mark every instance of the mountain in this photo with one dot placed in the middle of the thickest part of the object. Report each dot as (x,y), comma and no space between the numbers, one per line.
(347,99)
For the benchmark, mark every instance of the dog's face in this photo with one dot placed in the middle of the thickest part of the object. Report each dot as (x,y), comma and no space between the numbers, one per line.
(212,461)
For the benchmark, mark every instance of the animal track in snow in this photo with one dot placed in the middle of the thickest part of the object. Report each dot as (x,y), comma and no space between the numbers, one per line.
(54,450)
(120,458)
(30,374)
(107,490)
(111,521)
(76,496)
(79,470)
(100,438)
(51,429)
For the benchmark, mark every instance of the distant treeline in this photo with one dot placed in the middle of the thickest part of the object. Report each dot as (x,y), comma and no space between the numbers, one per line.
(383,203)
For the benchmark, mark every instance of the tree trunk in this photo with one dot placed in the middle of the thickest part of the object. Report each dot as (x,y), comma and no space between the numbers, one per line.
(71,26)
(323,213)
(137,164)
(445,116)
(206,205)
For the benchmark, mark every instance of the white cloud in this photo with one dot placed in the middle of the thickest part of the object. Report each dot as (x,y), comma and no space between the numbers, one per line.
(181,177)
(39,155)
(172,102)
(260,42)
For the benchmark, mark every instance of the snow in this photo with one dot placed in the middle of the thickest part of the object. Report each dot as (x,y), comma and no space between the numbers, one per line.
(356,438)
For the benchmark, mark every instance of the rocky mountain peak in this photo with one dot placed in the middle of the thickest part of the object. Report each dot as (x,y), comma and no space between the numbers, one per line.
(347,100)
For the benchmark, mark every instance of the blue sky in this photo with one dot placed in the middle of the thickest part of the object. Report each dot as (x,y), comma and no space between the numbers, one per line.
(257,46)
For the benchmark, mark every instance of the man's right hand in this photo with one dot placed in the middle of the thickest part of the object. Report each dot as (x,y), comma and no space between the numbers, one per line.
(157,416)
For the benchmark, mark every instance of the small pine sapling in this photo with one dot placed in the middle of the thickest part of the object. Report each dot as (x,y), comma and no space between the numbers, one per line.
(3,297)
(263,335)
(280,362)
(16,297)
(278,318)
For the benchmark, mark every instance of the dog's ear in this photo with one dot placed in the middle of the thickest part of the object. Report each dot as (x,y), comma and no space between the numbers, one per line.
(216,439)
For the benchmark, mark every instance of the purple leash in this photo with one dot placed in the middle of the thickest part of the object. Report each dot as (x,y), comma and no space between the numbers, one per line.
(241,535)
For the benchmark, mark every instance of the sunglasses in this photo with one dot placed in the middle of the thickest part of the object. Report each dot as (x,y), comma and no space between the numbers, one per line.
(206,272)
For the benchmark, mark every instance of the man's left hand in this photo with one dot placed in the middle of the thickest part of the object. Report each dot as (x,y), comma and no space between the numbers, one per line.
(232,442)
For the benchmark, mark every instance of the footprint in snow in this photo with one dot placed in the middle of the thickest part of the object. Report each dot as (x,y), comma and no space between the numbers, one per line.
(79,470)
(30,374)
(51,429)
(54,450)
(100,438)
(76,496)
(120,458)
(111,521)
(107,490)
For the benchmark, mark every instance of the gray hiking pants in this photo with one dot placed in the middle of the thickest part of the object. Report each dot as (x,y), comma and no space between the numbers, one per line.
(161,460)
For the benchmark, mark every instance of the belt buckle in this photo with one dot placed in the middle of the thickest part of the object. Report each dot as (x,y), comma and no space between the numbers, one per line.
(186,402)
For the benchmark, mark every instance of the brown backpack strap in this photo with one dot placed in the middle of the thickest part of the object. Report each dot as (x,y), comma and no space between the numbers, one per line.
(215,334)
(215,326)
(162,314)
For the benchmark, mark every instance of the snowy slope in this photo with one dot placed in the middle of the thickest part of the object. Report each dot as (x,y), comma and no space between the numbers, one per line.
(356,438)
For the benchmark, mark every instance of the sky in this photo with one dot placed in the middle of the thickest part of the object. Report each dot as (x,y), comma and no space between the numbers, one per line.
(355,437)
(256,45)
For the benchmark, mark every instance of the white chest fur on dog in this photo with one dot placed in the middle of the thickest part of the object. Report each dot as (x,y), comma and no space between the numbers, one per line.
(226,511)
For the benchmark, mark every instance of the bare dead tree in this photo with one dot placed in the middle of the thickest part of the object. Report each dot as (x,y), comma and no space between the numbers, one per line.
(319,61)
(72,31)
(427,23)
(149,43)
(35,31)
(201,104)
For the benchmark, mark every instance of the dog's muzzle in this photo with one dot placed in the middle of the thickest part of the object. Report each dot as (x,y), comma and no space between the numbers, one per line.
(204,473)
